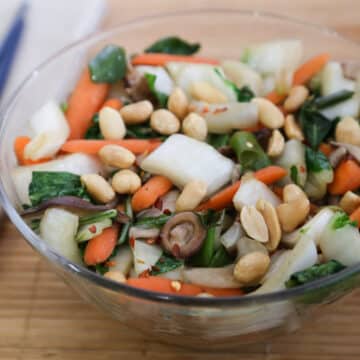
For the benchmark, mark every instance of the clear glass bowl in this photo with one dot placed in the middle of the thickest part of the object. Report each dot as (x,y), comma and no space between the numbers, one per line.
(199,322)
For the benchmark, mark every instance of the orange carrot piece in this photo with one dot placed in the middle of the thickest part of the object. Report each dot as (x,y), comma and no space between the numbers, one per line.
(326,149)
(223,292)
(222,199)
(92,147)
(99,248)
(302,75)
(113,103)
(86,99)
(19,148)
(346,178)
(355,216)
(164,285)
(161,59)
(148,194)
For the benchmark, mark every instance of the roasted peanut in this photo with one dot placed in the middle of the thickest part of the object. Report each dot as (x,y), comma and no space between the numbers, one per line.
(116,156)
(111,124)
(137,113)
(164,122)
(348,131)
(350,202)
(276,144)
(292,129)
(98,187)
(178,103)
(195,126)
(203,91)
(254,224)
(126,182)
(296,98)
(251,268)
(269,213)
(117,276)
(269,114)
(191,196)
(295,208)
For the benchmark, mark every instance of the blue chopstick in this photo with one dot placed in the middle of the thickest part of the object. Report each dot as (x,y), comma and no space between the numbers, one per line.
(10,45)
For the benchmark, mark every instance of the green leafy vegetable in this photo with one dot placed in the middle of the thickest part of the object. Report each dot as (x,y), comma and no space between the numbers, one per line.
(49,184)
(93,132)
(100,216)
(218,140)
(173,45)
(153,222)
(314,272)
(89,231)
(64,106)
(294,175)
(316,161)
(109,65)
(221,258)
(250,154)
(243,94)
(141,131)
(165,264)
(124,234)
(332,99)
(160,97)
(340,220)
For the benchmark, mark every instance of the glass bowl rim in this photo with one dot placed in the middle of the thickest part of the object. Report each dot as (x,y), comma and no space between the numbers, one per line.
(41,247)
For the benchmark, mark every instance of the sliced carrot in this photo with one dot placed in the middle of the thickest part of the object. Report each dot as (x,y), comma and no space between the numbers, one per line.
(326,149)
(164,285)
(355,216)
(92,147)
(302,75)
(113,103)
(86,99)
(224,198)
(148,194)
(223,292)
(346,178)
(19,148)
(156,59)
(99,248)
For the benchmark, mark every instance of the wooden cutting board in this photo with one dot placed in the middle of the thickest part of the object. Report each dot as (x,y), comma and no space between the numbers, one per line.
(40,317)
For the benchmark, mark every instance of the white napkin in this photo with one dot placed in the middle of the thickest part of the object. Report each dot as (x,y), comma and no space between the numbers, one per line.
(50,25)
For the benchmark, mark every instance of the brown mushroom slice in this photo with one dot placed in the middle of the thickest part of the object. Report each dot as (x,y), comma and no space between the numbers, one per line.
(183,235)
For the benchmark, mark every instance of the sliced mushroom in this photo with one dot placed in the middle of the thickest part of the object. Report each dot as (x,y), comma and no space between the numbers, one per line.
(183,235)
(140,233)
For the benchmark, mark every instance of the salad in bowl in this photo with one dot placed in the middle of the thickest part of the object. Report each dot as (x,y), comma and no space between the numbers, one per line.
(195,176)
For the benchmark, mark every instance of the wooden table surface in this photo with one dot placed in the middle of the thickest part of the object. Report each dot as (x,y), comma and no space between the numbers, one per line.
(41,318)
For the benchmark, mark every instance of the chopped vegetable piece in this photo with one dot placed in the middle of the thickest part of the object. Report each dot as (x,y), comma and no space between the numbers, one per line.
(221,258)
(333,99)
(124,234)
(218,140)
(346,178)
(315,272)
(89,231)
(165,264)
(160,96)
(173,45)
(151,222)
(340,220)
(92,147)
(162,59)
(99,248)
(147,195)
(50,184)
(109,65)
(19,148)
(250,154)
(89,219)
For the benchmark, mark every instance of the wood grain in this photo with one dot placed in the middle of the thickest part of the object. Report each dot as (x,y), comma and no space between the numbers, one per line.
(40,317)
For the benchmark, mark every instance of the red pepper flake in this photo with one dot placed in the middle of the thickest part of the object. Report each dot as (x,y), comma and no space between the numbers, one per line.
(302,169)
(151,241)
(220,110)
(110,263)
(145,274)
(159,204)
(92,229)
(132,242)
(176,250)
(167,212)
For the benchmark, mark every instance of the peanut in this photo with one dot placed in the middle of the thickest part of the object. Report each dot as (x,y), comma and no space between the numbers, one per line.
(111,124)
(348,131)
(276,144)
(98,187)
(292,129)
(349,202)
(251,268)
(254,224)
(126,182)
(137,113)
(114,275)
(116,156)
(269,114)
(296,98)
(164,122)
(178,103)
(203,91)
(195,126)
(191,196)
